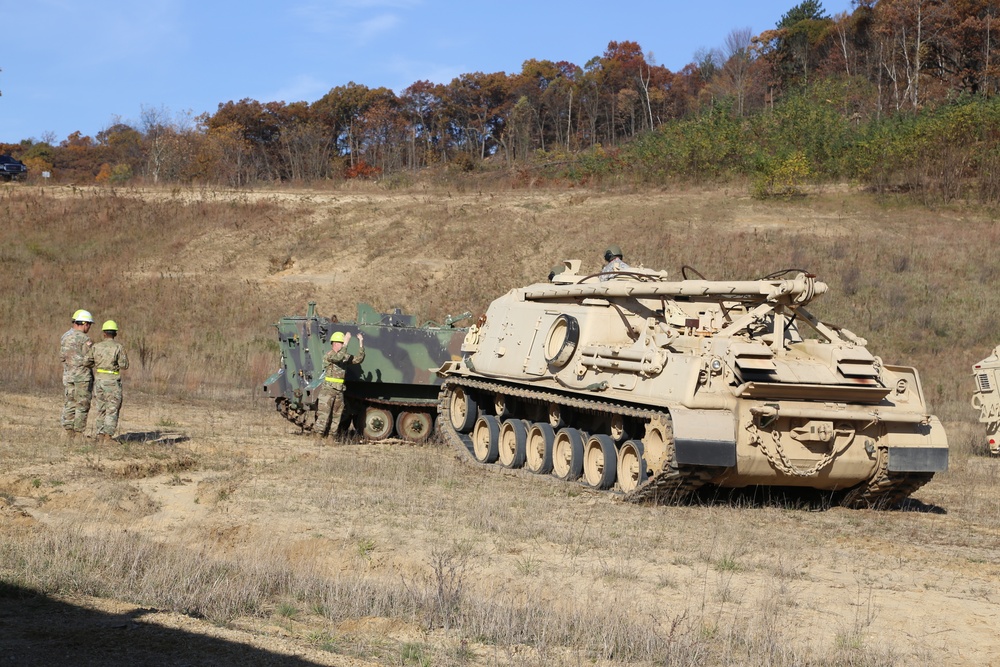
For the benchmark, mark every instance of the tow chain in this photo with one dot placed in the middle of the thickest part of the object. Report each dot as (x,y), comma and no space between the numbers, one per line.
(883,489)
(781,463)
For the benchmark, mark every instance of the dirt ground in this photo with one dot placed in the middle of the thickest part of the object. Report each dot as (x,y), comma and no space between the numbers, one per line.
(226,478)
(921,583)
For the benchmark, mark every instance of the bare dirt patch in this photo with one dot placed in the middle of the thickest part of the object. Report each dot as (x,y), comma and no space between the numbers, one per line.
(906,587)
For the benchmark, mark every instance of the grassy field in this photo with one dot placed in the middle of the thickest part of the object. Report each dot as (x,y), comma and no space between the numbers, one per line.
(213,508)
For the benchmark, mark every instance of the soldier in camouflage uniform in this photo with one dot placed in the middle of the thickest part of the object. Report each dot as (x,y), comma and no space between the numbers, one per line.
(108,359)
(330,404)
(78,380)
(615,263)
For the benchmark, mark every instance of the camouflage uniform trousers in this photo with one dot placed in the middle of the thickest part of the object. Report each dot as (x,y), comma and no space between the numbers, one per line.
(77,404)
(329,408)
(107,404)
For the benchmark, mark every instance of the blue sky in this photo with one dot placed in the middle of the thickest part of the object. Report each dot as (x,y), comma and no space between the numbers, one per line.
(69,65)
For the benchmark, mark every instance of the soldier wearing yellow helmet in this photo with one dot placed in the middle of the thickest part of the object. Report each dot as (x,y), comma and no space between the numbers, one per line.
(108,359)
(78,380)
(330,403)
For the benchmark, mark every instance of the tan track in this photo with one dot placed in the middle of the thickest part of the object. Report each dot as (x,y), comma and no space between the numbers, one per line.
(672,485)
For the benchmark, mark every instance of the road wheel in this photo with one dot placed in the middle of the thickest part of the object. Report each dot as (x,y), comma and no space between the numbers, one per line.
(567,454)
(486,439)
(378,424)
(513,443)
(600,462)
(462,410)
(414,426)
(538,450)
(631,466)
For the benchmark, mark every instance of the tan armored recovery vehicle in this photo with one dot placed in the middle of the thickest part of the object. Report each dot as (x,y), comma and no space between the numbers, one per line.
(655,387)
(987,398)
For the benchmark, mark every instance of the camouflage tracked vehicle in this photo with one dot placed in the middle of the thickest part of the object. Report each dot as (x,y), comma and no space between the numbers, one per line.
(393,392)
(986,399)
(656,388)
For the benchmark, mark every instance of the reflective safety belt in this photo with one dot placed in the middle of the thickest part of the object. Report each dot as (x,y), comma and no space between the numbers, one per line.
(101,370)
(337,380)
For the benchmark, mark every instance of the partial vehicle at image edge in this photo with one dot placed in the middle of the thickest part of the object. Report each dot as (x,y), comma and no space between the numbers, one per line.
(986,398)
(11,168)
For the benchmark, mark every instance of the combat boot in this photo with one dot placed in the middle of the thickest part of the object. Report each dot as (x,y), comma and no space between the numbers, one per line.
(68,435)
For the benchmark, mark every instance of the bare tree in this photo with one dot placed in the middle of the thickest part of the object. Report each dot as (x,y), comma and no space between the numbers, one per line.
(734,78)
(155,122)
(644,81)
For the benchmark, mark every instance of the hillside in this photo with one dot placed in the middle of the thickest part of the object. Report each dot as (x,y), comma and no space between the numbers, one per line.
(198,276)
(214,524)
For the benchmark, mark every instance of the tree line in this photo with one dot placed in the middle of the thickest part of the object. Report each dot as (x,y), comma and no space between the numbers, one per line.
(889,59)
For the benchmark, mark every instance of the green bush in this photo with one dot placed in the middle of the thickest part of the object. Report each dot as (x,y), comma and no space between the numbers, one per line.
(818,133)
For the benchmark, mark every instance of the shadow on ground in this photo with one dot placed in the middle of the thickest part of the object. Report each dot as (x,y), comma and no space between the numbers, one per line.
(153,437)
(38,630)
(792,498)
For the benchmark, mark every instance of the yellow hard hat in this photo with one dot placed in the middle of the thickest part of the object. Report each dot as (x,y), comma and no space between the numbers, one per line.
(337,337)
(110,325)
(83,316)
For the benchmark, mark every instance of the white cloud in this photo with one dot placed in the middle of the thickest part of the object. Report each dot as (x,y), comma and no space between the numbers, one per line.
(352,19)
(375,27)
(303,87)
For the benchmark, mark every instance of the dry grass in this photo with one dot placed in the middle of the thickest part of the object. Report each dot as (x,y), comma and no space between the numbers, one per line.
(402,555)
(196,277)
(376,551)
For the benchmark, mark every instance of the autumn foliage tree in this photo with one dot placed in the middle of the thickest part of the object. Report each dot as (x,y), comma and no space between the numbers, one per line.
(818,74)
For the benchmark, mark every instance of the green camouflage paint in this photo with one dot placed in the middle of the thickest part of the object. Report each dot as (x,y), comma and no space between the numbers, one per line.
(398,372)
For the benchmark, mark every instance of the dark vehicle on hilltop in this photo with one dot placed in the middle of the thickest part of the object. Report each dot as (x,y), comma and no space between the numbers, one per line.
(11,168)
